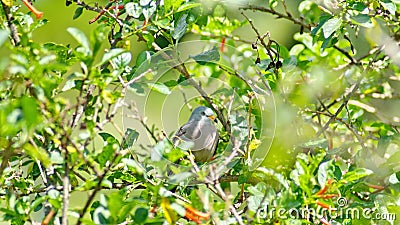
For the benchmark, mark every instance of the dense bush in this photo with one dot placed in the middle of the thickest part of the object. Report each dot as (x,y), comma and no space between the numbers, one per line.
(308,133)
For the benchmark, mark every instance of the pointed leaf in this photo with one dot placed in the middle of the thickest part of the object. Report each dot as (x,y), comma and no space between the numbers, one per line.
(130,137)
(159,87)
(356,174)
(110,55)
(331,26)
(187,6)
(180,28)
(78,13)
(80,37)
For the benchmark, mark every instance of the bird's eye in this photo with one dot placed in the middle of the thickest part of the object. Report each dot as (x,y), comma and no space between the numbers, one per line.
(203,113)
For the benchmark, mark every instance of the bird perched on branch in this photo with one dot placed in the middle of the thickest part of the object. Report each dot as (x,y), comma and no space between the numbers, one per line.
(199,134)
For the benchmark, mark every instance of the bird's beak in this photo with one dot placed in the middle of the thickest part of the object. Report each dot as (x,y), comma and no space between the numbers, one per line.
(211,118)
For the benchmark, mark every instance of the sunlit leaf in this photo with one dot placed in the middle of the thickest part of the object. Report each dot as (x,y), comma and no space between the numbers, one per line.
(169,213)
(356,174)
(38,154)
(8,3)
(110,55)
(80,37)
(159,87)
(331,26)
(187,6)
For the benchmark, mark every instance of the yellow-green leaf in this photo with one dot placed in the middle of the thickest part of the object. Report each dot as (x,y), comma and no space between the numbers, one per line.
(169,213)
(37,153)
(8,3)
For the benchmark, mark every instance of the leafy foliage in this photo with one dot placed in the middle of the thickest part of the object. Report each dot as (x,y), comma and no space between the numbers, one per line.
(308,133)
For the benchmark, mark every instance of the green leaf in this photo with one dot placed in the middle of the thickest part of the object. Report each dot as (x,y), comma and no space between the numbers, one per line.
(80,37)
(362,20)
(110,55)
(137,88)
(101,215)
(108,138)
(142,57)
(207,56)
(187,6)
(141,215)
(121,61)
(37,203)
(175,4)
(130,138)
(110,146)
(331,26)
(138,168)
(355,175)
(149,38)
(78,13)
(180,28)
(68,85)
(389,5)
(97,37)
(258,190)
(322,21)
(37,154)
(159,87)
(325,172)
(30,111)
(273,3)
(359,6)
(329,42)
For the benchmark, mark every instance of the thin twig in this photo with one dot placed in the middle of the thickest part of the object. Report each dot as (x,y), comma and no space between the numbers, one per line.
(66,185)
(261,39)
(349,126)
(289,16)
(97,188)
(345,101)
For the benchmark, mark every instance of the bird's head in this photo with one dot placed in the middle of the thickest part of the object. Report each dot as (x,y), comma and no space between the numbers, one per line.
(202,113)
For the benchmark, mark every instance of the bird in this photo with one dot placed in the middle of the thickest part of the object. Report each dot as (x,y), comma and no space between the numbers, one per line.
(199,134)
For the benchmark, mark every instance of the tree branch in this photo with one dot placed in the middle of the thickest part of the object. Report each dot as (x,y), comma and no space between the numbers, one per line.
(13,28)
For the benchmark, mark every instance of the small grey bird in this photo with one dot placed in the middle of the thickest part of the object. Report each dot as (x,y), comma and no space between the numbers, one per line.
(199,134)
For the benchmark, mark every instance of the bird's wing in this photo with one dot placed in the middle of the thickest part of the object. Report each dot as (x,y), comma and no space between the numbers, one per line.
(181,133)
